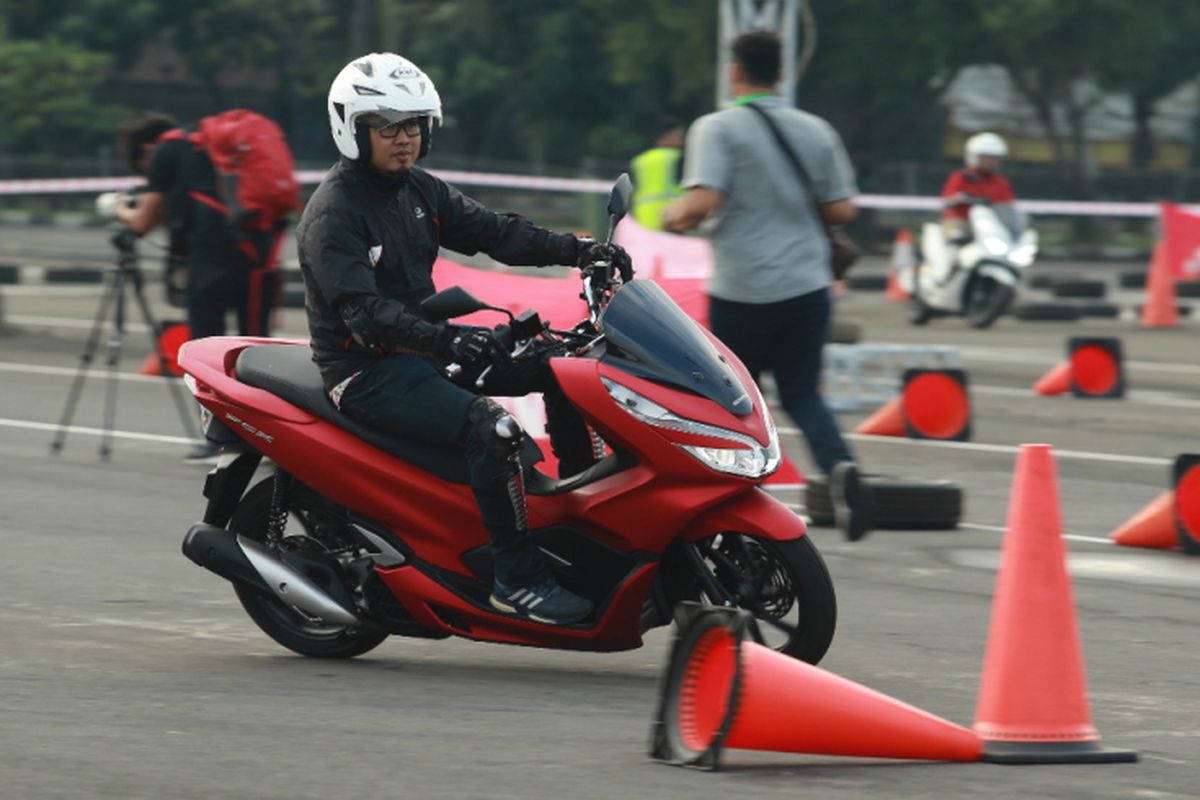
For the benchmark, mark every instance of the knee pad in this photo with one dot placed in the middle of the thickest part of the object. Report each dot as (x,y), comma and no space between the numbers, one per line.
(496,429)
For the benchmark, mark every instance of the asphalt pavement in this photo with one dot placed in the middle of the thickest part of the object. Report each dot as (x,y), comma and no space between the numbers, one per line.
(128,672)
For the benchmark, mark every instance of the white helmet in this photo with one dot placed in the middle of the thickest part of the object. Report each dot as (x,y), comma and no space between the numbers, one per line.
(984,144)
(384,84)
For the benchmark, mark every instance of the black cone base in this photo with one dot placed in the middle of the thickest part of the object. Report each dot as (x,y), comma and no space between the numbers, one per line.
(1000,752)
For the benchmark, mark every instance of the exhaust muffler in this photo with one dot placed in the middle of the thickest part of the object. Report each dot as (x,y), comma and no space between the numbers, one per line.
(245,562)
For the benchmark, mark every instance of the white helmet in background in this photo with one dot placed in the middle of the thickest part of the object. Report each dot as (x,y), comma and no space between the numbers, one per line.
(385,84)
(984,144)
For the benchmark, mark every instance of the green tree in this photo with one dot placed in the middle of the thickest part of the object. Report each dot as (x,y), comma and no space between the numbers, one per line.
(47,98)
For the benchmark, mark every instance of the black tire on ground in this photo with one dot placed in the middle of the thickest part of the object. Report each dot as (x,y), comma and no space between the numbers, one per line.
(9,273)
(1184,311)
(1088,289)
(795,580)
(285,625)
(867,282)
(845,332)
(1046,281)
(900,503)
(292,296)
(1099,310)
(987,299)
(1046,312)
(1132,280)
(74,275)
(1187,289)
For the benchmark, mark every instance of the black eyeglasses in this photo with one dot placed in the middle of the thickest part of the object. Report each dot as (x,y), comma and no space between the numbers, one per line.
(390,130)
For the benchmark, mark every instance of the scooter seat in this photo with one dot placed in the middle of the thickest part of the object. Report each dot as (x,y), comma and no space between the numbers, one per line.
(287,370)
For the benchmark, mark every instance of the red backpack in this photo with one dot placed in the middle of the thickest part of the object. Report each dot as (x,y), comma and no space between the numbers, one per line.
(256,180)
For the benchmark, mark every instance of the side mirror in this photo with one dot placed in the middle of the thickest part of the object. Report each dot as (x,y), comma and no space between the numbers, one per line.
(619,198)
(453,302)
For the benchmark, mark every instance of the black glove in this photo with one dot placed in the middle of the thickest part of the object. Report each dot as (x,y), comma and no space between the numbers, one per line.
(590,251)
(470,347)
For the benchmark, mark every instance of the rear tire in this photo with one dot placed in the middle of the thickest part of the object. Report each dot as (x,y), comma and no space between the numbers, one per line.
(286,625)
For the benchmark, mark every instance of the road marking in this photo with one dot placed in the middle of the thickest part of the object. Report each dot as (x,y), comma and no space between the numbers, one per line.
(1030,355)
(144,437)
(1007,449)
(69,322)
(68,372)
(1002,529)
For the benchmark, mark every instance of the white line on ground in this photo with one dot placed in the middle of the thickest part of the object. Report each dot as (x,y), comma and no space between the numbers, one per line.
(97,369)
(67,322)
(1031,355)
(1002,529)
(1007,449)
(46,426)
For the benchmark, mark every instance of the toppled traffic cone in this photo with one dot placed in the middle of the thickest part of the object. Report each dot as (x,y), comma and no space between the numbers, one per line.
(1187,501)
(1096,369)
(1160,310)
(1033,705)
(1056,381)
(901,267)
(1153,526)
(933,404)
(722,690)
(163,361)
(1093,369)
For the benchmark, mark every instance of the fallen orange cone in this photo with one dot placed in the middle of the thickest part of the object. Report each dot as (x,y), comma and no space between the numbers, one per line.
(1153,526)
(722,690)
(1033,705)
(933,404)
(1056,381)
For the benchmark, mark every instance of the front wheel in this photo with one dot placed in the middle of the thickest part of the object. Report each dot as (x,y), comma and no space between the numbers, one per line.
(987,299)
(785,585)
(305,529)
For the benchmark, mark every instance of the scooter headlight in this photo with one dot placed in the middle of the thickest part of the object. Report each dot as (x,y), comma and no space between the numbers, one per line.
(1022,255)
(748,459)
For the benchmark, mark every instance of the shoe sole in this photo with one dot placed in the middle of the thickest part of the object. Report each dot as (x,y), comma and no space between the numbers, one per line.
(500,605)
(854,523)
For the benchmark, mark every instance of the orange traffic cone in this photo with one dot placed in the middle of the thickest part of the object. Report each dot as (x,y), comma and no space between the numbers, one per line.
(1153,526)
(720,690)
(163,361)
(1186,473)
(900,270)
(933,404)
(1093,369)
(1033,705)
(888,420)
(1056,381)
(1160,310)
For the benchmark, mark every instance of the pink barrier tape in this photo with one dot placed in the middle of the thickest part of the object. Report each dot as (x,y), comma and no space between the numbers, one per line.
(546,183)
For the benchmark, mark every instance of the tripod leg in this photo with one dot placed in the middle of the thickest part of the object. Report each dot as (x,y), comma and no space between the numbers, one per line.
(85,362)
(112,359)
(186,414)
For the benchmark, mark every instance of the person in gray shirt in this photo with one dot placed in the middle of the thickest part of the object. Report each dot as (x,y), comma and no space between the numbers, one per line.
(769,292)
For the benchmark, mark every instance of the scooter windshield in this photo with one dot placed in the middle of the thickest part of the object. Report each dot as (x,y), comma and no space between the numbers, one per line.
(651,337)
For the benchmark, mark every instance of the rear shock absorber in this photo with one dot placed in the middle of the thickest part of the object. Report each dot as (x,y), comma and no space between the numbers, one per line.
(281,496)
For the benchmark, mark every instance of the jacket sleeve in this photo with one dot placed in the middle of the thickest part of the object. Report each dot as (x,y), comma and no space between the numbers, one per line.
(952,206)
(467,227)
(336,248)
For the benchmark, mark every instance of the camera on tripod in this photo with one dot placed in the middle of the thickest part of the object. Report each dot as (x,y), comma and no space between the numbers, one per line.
(107,203)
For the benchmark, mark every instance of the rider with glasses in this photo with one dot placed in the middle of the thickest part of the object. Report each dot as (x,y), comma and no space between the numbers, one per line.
(367,244)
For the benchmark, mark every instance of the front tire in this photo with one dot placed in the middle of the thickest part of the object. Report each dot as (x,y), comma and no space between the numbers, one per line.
(987,299)
(785,585)
(286,625)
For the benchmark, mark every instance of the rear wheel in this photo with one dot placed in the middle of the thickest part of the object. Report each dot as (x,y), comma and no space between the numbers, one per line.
(307,530)
(987,299)
(785,585)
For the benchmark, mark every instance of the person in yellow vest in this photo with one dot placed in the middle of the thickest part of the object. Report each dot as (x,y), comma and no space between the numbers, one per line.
(656,175)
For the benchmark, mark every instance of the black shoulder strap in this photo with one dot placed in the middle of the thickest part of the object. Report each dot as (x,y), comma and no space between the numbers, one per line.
(791,154)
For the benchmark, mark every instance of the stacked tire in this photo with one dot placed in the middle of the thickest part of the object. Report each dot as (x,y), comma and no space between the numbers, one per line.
(900,503)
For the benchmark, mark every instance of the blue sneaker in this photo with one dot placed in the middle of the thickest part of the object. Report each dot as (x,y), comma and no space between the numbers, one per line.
(544,602)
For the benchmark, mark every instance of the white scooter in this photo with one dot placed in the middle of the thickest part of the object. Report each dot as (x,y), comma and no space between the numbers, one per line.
(977,279)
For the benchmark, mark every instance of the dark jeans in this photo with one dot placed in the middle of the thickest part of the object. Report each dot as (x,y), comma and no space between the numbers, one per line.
(232,279)
(786,338)
(411,397)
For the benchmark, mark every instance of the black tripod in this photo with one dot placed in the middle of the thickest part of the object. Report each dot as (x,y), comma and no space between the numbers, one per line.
(126,273)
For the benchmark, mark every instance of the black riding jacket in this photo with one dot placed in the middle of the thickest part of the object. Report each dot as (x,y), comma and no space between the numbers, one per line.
(367,244)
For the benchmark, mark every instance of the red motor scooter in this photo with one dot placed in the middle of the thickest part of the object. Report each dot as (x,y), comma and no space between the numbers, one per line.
(358,535)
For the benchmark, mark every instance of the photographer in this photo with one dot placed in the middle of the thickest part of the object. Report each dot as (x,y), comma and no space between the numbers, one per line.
(227,268)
